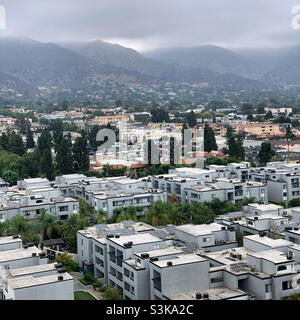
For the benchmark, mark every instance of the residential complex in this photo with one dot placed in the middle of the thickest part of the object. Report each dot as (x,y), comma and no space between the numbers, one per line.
(25,273)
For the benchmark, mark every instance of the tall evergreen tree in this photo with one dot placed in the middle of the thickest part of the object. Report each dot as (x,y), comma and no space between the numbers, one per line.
(15,144)
(191,118)
(44,148)
(64,160)
(81,160)
(266,152)
(46,165)
(30,144)
(4,141)
(44,141)
(235,144)
(209,139)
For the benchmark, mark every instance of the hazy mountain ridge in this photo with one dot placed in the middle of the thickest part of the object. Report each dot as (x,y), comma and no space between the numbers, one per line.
(105,53)
(31,64)
(272,66)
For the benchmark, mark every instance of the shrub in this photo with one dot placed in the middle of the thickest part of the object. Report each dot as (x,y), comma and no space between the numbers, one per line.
(97,284)
(89,278)
(75,266)
(85,283)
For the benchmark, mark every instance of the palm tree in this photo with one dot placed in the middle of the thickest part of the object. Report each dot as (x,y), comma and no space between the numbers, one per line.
(47,225)
(69,230)
(4,228)
(28,231)
(158,214)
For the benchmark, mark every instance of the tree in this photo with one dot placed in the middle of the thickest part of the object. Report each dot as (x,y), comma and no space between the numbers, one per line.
(44,141)
(64,161)
(191,119)
(47,225)
(269,115)
(10,176)
(81,160)
(28,231)
(209,139)
(69,231)
(30,144)
(22,124)
(112,294)
(159,115)
(266,152)
(13,162)
(260,109)
(289,133)
(32,163)
(15,144)
(46,166)
(235,144)
(4,141)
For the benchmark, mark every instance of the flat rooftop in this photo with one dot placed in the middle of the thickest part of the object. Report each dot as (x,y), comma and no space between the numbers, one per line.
(224,256)
(36,180)
(220,293)
(7,240)
(201,229)
(265,207)
(162,252)
(272,255)
(272,243)
(136,239)
(33,269)
(18,254)
(180,260)
(30,281)
(266,216)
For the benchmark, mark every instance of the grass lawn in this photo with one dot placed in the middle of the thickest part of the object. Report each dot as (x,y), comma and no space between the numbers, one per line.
(83,295)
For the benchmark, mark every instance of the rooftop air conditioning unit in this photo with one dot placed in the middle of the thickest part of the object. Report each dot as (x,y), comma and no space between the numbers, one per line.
(206,296)
(154,259)
(169,263)
(60,278)
(198,296)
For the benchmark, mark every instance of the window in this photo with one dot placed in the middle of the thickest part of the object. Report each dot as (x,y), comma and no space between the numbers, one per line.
(286,285)
(64,208)
(281,268)
(207,239)
(127,286)
(156,280)
(126,273)
(267,288)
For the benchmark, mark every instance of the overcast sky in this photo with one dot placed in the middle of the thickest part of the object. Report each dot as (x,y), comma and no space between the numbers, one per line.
(150,24)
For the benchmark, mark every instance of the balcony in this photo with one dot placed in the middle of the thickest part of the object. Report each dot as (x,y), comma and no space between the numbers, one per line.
(157,283)
(238,193)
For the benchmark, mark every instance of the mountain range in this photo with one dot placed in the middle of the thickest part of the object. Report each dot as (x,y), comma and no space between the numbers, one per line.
(26,65)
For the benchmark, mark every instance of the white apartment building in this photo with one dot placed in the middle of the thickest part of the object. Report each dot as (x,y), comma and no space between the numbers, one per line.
(122,254)
(282,178)
(40,282)
(26,275)
(108,194)
(234,190)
